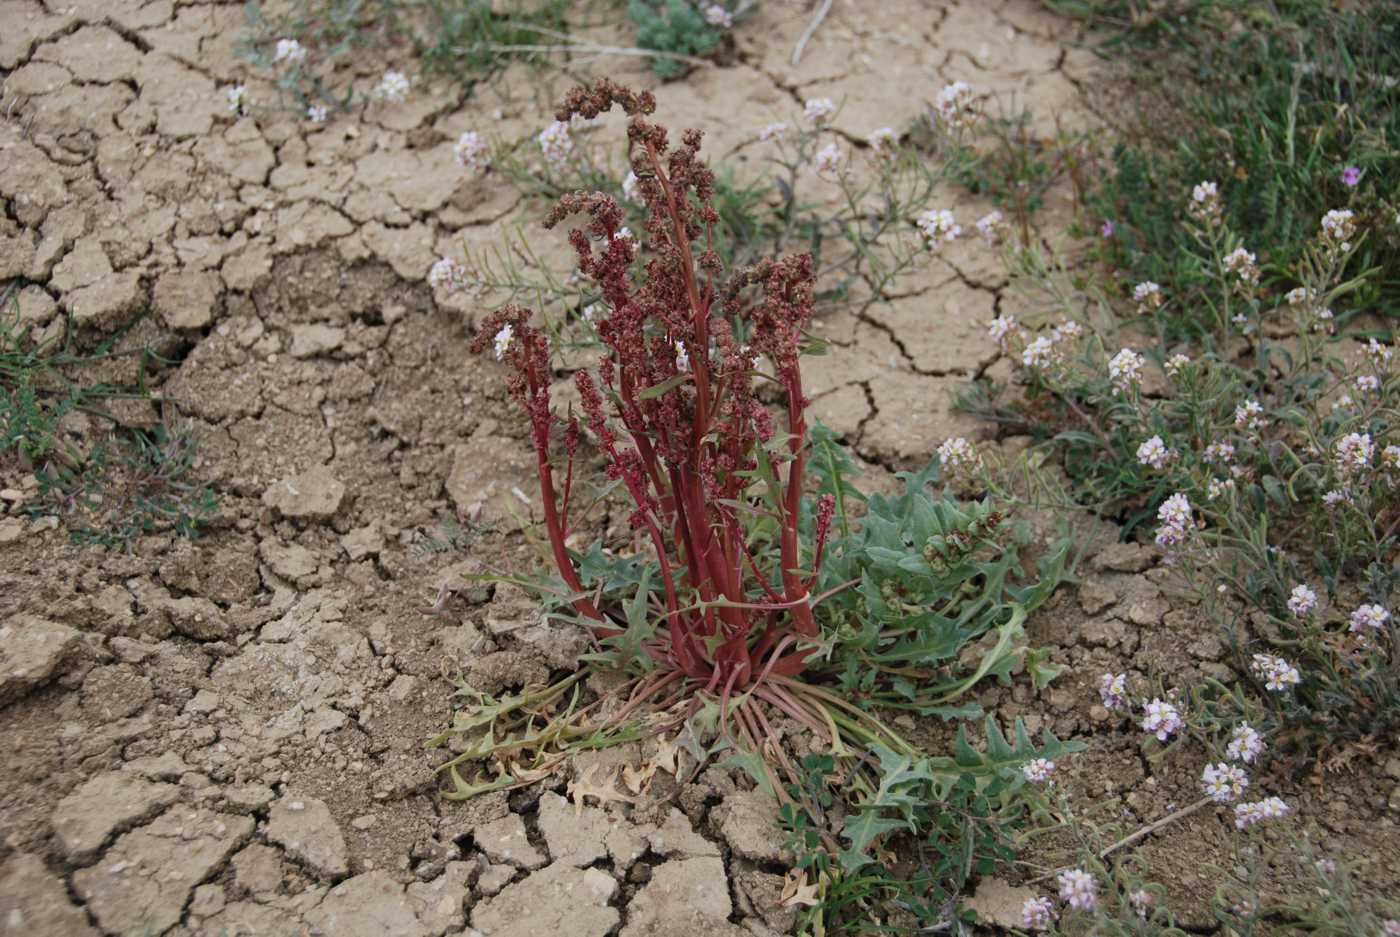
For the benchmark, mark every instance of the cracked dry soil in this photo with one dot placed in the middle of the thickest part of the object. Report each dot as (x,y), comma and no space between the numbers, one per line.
(224,736)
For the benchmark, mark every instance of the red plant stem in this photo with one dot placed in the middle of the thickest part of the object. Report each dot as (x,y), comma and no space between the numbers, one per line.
(681,641)
(687,487)
(787,705)
(794,663)
(762,579)
(646,685)
(741,720)
(694,559)
(682,645)
(793,585)
(756,714)
(698,311)
(787,639)
(554,527)
(568,491)
(639,698)
(725,697)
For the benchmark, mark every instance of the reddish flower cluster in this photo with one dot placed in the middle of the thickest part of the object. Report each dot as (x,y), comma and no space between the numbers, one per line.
(673,409)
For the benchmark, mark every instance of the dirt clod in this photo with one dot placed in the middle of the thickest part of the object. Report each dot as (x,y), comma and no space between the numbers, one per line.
(557,900)
(142,883)
(684,893)
(31,650)
(87,817)
(305,828)
(34,901)
(505,841)
(368,905)
(315,494)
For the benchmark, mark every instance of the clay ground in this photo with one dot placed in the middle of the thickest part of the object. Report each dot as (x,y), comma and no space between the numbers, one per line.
(225,736)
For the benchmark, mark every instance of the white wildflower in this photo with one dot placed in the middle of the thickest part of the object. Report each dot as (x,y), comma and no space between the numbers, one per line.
(1176,510)
(1218,488)
(1205,202)
(393,86)
(1218,452)
(1147,295)
(237,99)
(818,110)
(471,151)
(1248,814)
(1161,719)
(1002,328)
(1224,782)
(884,143)
(1300,296)
(1243,265)
(1038,914)
(1302,601)
(1369,617)
(1078,889)
(989,227)
(1039,353)
(1154,453)
(1245,744)
(938,225)
(1390,458)
(1338,228)
(1113,691)
(1278,674)
(717,15)
(1354,452)
(774,131)
(1125,369)
(447,274)
(959,458)
(955,106)
(289,51)
(828,159)
(555,143)
(1249,415)
(1038,770)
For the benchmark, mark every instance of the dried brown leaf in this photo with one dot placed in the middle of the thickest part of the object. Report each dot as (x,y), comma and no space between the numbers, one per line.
(638,779)
(586,785)
(796,891)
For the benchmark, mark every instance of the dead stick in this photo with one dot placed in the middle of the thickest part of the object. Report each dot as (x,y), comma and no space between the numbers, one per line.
(570,44)
(810,31)
(1141,834)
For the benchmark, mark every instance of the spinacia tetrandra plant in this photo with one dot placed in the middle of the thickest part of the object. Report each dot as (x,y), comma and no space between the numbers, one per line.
(674,411)
(723,633)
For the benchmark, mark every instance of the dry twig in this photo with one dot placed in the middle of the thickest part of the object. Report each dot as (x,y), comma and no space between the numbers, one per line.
(810,31)
(1137,835)
(568,43)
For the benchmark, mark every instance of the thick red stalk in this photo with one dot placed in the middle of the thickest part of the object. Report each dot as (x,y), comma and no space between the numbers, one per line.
(682,429)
